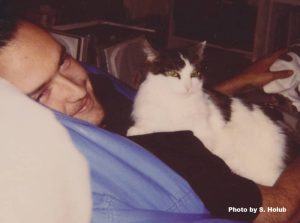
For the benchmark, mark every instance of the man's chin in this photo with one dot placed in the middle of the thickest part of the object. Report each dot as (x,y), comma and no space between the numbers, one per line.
(94,117)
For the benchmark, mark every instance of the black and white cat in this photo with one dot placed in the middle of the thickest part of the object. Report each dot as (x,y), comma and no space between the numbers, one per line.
(172,98)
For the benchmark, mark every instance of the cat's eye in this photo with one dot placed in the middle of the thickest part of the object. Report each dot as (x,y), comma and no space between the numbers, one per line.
(195,74)
(172,73)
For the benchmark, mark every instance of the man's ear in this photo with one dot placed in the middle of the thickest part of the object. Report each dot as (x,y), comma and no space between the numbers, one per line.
(151,54)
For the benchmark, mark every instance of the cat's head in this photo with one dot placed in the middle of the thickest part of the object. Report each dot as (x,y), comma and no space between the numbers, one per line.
(177,70)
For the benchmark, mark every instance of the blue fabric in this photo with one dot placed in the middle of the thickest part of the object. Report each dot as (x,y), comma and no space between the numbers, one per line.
(131,185)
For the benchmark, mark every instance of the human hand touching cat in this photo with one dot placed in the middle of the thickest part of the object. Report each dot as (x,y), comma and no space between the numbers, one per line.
(256,75)
(259,74)
(263,64)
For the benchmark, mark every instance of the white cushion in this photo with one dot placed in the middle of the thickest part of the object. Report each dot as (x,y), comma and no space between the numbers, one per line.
(43,178)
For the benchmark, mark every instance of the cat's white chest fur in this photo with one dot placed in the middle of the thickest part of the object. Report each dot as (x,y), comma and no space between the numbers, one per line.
(156,109)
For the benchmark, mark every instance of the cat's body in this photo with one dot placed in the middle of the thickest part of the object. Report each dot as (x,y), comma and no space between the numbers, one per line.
(241,134)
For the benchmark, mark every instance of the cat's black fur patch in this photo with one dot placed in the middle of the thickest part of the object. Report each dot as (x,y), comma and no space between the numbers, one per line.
(222,101)
(297,92)
(273,114)
(166,61)
(292,145)
(247,104)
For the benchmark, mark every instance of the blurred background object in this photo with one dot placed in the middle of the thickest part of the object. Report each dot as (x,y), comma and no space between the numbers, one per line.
(238,31)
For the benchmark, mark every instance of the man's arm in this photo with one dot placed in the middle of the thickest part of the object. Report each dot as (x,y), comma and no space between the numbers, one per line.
(248,80)
(285,193)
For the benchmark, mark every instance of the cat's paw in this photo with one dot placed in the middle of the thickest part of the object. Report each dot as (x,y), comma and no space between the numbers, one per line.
(132,131)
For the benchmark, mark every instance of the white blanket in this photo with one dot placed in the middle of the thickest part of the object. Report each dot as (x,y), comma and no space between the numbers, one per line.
(288,87)
(43,178)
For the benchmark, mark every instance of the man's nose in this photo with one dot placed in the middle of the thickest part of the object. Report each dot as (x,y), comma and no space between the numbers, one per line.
(70,90)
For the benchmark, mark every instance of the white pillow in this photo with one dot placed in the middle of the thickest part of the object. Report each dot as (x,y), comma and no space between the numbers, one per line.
(43,178)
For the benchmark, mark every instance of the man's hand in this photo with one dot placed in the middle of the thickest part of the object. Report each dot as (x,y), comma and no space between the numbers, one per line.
(264,63)
(257,75)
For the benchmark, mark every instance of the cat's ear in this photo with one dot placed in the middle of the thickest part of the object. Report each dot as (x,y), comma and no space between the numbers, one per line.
(196,52)
(151,54)
(200,47)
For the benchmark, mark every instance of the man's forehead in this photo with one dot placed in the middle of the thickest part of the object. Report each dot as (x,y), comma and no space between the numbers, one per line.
(30,59)
(36,40)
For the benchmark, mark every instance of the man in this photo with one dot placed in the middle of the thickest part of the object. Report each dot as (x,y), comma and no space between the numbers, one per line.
(36,64)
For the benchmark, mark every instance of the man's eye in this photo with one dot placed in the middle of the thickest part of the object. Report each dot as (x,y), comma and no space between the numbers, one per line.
(40,96)
(195,74)
(172,73)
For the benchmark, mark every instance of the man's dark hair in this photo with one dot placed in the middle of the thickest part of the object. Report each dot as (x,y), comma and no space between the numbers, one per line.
(8,22)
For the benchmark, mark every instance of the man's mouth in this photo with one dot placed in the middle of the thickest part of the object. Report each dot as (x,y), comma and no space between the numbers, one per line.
(86,105)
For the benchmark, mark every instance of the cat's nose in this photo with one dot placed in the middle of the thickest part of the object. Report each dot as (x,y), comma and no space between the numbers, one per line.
(188,88)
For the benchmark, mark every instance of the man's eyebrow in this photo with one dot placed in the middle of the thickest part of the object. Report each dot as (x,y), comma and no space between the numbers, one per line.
(40,88)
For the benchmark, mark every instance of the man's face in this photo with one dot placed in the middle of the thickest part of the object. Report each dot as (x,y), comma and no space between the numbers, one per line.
(39,66)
